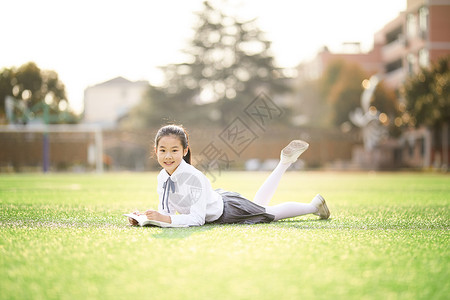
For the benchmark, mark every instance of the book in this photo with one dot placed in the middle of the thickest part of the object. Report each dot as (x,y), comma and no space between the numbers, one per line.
(143,221)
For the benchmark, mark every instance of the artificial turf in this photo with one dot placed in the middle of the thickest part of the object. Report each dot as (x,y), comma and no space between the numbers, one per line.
(63,236)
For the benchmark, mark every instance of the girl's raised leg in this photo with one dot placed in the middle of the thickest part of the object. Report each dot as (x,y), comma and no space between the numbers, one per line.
(288,156)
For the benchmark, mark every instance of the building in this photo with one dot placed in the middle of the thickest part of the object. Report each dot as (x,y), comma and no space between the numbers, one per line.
(107,102)
(416,38)
(370,61)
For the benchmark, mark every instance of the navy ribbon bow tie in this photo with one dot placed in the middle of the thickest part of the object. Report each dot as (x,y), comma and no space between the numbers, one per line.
(168,186)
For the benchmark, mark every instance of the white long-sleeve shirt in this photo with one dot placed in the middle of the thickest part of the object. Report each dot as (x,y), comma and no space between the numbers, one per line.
(193,202)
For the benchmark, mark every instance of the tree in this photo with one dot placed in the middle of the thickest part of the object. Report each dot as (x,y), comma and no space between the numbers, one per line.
(345,92)
(427,97)
(341,86)
(310,107)
(385,100)
(32,88)
(227,62)
(6,86)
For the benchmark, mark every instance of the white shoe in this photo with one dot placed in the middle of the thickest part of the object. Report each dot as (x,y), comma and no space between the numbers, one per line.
(291,152)
(322,209)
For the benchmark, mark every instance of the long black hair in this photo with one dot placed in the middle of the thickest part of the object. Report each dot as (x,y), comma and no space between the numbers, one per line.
(180,133)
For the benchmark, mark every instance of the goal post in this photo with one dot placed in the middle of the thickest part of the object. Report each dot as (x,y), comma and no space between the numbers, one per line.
(96,130)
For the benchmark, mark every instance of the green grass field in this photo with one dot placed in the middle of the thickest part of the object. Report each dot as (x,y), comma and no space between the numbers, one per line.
(64,237)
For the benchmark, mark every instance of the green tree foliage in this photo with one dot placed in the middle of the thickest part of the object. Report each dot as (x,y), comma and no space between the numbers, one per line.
(345,91)
(310,108)
(428,95)
(6,85)
(228,61)
(31,87)
(341,86)
(428,103)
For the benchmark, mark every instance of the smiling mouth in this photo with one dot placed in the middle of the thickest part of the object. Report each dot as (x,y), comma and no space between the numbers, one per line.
(168,163)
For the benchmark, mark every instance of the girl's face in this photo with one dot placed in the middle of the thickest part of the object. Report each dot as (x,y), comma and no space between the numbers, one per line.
(170,152)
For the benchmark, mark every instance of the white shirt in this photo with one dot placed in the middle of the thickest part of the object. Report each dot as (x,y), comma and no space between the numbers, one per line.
(193,202)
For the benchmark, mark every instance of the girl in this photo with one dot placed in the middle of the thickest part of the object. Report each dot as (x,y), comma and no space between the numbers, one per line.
(186,196)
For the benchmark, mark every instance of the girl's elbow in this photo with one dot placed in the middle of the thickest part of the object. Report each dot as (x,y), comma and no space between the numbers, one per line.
(199,221)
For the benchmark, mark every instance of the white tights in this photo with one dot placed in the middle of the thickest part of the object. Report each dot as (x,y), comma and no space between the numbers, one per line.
(283,210)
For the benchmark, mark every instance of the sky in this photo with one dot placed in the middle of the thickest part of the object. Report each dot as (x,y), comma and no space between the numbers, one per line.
(91,41)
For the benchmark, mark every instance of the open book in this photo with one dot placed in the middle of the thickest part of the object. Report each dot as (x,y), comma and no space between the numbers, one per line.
(143,221)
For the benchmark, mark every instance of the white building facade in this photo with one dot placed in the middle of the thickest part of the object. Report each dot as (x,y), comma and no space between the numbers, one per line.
(106,103)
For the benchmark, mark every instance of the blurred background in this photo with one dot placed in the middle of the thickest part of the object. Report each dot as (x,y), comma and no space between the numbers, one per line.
(85,85)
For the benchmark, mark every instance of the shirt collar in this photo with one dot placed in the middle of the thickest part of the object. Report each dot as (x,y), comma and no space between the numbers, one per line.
(178,170)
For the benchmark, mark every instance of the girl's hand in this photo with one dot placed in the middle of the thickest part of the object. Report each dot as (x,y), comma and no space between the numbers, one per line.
(133,222)
(154,215)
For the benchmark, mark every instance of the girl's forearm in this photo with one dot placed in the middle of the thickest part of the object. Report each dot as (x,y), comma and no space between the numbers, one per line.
(166,219)
(155,215)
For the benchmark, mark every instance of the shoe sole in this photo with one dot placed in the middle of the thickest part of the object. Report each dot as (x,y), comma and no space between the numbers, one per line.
(292,152)
(325,208)
(295,145)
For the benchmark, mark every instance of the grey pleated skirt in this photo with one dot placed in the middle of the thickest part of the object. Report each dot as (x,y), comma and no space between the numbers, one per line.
(237,209)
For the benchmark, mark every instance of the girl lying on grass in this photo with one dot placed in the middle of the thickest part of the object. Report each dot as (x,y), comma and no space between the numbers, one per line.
(186,196)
